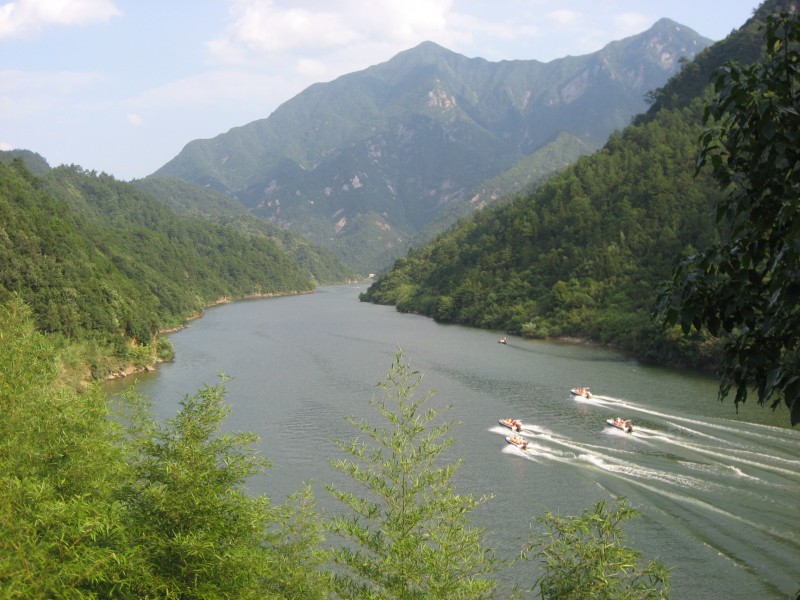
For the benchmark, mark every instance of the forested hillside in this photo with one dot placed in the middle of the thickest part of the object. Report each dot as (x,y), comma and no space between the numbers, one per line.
(581,257)
(585,255)
(208,204)
(98,260)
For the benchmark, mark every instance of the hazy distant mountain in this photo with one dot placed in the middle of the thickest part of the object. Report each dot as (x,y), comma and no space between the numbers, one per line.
(207,204)
(35,163)
(363,163)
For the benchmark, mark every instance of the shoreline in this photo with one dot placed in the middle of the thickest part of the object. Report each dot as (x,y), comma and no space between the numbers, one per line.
(129,370)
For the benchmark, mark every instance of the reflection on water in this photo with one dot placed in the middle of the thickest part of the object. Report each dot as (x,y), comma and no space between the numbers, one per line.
(717,492)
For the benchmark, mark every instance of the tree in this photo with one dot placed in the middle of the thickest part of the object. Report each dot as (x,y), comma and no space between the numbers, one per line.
(199,532)
(745,287)
(584,558)
(60,530)
(87,511)
(408,535)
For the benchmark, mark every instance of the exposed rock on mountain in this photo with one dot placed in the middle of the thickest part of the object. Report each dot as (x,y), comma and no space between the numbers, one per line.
(365,162)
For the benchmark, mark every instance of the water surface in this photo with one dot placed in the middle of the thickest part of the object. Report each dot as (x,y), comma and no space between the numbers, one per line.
(717,491)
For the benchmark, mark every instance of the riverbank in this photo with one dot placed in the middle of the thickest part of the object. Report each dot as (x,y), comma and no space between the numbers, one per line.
(134,369)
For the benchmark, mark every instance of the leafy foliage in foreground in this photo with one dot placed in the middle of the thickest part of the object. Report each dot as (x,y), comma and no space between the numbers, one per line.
(747,284)
(584,558)
(59,527)
(89,510)
(410,533)
(197,530)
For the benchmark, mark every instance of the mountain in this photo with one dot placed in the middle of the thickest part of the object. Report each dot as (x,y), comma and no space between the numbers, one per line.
(362,164)
(584,255)
(207,204)
(35,163)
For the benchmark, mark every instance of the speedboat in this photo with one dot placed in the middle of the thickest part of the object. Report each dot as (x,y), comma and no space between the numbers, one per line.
(518,441)
(625,424)
(582,391)
(513,424)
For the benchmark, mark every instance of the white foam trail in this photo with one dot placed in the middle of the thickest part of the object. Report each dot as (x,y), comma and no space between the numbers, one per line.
(530,429)
(749,430)
(629,471)
(723,470)
(697,502)
(737,456)
(533,453)
(698,433)
(583,447)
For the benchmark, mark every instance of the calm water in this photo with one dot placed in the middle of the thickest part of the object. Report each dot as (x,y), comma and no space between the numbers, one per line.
(718,493)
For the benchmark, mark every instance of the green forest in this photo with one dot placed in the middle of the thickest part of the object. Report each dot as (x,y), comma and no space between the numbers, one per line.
(99,499)
(580,257)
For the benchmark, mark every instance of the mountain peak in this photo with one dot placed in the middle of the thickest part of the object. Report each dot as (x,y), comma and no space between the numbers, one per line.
(364,163)
(429,53)
(428,46)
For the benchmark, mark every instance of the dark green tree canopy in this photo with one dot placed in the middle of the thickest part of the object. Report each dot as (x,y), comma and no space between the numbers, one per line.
(746,286)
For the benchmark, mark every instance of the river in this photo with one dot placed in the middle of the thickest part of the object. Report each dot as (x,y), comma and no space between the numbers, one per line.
(717,490)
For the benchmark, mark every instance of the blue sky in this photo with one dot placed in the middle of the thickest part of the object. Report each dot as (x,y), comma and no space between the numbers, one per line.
(122,85)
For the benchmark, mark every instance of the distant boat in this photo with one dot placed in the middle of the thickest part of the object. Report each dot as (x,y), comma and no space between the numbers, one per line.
(518,441)
(582,391)
(625,424)
(513,424)
(503,340)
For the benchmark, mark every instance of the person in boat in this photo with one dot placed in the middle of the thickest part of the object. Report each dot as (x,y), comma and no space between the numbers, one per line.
(625,424)
(518,441)
(514,424)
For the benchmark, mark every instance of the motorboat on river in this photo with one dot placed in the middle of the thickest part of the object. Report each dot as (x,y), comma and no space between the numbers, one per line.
(625,424)
(581,391)
(518,441)
(513,424)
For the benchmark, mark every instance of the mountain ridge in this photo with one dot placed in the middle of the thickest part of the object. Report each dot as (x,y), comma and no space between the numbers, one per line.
(365,162)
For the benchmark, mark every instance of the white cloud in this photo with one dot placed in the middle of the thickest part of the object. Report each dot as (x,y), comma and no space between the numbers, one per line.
(565,17)
(259,26)
(632,23)
(210,89)
(312,68)
(22,18)
(4,146)
(306,26)
(134,119)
